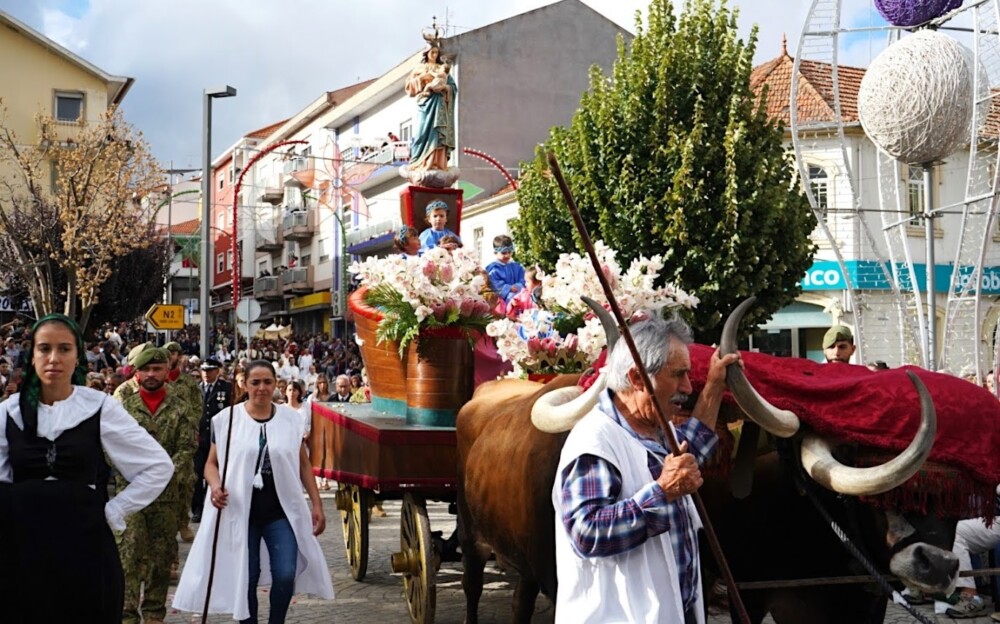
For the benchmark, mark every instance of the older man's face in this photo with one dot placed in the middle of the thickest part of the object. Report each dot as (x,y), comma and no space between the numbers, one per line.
(671,385)
(343,387)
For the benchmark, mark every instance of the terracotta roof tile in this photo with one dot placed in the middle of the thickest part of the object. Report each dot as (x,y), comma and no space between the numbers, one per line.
(263,133)
(339,96)
(184,228)
(815,94)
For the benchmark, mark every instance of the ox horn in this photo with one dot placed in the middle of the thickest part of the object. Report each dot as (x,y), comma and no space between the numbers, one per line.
(777,422)
(559,410)
(817,457)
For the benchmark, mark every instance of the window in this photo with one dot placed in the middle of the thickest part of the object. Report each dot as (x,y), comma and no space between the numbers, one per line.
(915,197)
(229,259)
(405,130)
(220,263)
(68,106)
(323,250)
(222,181)
(305,260)
(220,222)
(477,243)
(819,183)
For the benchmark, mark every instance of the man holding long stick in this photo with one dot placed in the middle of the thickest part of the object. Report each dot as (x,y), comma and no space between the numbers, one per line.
(626,528)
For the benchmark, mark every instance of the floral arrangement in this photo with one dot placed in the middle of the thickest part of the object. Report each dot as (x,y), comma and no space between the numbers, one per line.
(564,336)
(438,289)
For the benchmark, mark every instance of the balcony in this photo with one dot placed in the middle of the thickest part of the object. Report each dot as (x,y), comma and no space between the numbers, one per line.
(266,288)
(299,224)
(272,195)
(269,238)
(377,165)
(297,281)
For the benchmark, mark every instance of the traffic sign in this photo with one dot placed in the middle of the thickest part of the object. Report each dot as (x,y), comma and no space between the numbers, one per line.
(165,316)
(248,310)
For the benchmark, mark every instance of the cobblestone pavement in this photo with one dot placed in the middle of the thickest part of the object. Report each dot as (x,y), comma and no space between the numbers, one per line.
(379,598)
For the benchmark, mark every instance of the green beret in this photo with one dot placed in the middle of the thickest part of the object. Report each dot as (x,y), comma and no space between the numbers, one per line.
(147,354)
(173,347)
(134,353)
(836,334)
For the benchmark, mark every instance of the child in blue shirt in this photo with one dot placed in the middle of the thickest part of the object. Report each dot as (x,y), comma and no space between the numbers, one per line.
(506,275)
(437,218)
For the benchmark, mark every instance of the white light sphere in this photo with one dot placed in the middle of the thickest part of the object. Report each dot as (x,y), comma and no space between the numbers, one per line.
(915,100)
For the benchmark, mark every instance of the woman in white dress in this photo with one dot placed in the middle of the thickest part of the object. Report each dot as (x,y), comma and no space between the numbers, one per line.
(268,469)
(294,393)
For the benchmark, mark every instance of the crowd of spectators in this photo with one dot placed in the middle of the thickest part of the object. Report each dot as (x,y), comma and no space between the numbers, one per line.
(313,359)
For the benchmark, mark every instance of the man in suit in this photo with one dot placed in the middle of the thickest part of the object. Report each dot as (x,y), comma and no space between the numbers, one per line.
(216,395)
(343,388)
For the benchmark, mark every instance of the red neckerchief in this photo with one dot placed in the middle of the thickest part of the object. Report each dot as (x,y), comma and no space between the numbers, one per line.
(153,399)
(173,374)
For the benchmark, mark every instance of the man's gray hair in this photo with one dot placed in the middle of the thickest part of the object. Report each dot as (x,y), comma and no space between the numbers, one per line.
(653,342)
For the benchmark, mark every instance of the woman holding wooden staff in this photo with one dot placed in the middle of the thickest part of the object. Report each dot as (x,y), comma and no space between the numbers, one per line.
(268,469)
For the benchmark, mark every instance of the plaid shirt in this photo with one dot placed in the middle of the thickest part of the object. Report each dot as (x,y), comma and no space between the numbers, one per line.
(602,525)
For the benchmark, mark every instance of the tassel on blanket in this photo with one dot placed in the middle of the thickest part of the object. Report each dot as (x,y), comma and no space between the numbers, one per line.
(258,481)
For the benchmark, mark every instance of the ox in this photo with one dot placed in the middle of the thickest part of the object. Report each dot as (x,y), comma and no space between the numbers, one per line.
(509,439)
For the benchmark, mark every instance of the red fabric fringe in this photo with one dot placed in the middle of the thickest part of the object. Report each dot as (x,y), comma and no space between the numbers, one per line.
(881,410)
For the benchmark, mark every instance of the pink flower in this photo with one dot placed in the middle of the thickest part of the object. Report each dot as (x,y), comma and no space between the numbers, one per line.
(571,342)
(450,304)
(534,345)
(439,310)
(447,273)
(467,307)
(430,269)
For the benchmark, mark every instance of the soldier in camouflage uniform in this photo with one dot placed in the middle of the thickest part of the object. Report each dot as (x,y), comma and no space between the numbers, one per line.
(149,545)
(188,389)
(191,392)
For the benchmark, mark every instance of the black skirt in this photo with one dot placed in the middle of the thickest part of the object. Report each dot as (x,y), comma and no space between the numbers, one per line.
(58,558)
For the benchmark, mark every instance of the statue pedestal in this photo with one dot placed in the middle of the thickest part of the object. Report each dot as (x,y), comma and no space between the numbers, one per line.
(413,202)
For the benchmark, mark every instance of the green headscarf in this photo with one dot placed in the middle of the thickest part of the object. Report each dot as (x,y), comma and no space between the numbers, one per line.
(31,386)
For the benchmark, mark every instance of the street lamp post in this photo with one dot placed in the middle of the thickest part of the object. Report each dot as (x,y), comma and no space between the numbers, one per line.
(206,214)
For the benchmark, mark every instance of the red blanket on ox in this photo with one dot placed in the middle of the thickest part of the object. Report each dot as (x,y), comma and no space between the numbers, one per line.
(881,409)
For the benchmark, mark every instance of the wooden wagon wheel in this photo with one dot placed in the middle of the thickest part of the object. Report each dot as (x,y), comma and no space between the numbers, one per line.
(353,503)
(419,560)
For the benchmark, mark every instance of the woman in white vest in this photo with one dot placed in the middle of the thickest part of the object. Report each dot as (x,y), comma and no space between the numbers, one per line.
(626,529)
(268,468)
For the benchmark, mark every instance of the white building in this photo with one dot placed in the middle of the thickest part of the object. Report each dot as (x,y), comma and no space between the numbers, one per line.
(311,206)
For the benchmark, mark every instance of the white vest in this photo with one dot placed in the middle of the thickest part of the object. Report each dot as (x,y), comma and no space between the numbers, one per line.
(229,590)
(641,585)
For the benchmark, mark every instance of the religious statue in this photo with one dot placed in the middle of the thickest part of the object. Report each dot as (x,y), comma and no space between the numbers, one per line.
(434,88)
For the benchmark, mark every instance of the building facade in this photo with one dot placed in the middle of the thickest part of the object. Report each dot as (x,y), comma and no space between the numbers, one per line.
(312,207)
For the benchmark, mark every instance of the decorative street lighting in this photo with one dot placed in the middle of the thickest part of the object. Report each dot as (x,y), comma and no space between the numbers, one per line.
(204,271)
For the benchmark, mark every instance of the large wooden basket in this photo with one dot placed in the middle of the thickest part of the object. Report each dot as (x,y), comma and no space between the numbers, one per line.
(386,370)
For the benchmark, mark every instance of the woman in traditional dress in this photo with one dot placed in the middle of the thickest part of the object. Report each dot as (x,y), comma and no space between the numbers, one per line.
(58,558)
(431,83)
(268,468)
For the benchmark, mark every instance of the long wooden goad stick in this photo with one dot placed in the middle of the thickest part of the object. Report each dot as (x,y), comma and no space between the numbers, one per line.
(626,334)
(218,516)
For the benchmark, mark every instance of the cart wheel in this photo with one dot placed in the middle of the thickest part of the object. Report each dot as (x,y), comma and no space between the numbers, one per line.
(353,502)
(419,560)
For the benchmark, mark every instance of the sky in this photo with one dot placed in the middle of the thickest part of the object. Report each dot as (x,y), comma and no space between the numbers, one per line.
(282,55)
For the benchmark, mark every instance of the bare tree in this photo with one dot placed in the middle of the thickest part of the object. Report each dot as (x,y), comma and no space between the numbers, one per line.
(69,208)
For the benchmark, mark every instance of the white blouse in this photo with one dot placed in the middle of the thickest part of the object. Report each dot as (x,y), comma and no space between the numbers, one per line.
(135,453)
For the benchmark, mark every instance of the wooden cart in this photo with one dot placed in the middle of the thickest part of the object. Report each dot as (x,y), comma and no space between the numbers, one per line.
(371,453)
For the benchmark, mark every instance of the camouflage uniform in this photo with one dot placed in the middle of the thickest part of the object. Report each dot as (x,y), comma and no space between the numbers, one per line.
(149,545)
(189,390)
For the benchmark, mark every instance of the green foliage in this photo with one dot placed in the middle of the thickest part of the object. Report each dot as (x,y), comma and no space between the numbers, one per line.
(672,154)
(400,322)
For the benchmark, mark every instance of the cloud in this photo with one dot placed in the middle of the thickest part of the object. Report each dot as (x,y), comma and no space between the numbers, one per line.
(282,55)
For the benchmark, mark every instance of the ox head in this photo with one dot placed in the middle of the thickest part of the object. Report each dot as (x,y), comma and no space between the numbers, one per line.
(559,410)
(920,545)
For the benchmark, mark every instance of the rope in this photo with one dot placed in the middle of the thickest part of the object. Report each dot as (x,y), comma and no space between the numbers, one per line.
(860,557)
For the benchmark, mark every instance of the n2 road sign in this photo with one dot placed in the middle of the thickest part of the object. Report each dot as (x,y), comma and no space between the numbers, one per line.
(165,316)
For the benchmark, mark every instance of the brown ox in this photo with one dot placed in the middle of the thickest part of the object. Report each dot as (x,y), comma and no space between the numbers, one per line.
(507,470)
